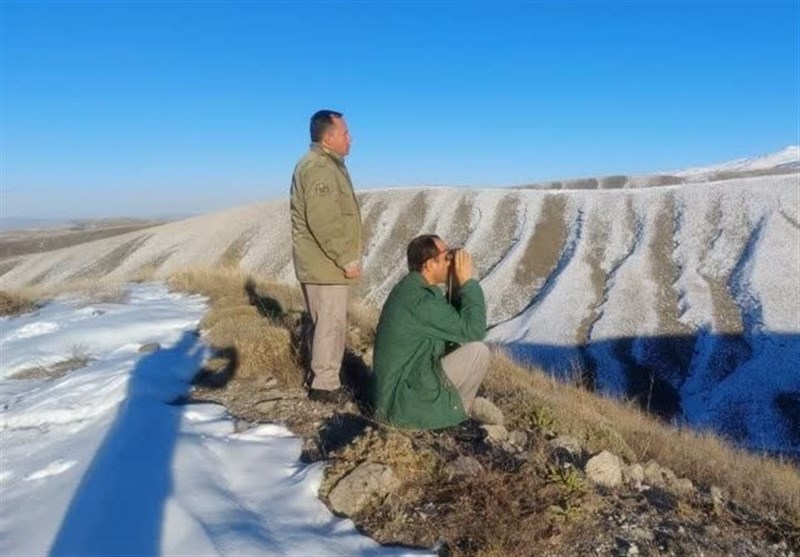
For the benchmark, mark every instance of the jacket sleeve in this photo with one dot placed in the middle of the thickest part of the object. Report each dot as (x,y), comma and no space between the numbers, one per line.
(466,324)
(324,216)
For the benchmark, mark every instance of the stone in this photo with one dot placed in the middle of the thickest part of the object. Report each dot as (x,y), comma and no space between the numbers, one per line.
(464,466)
(518,438)
(484,411)
(271,383)
(633,475)
(668,475)
(642,534)
(604,469)
(653,474)
(566,449)
(683,486)
(495,433)
(149,348)
(717,498)
(367,482)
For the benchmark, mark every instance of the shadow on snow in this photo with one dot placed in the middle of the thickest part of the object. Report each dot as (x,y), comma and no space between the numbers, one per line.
(118,506)
(745,388)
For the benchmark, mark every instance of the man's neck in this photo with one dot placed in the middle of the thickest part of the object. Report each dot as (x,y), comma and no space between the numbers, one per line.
(429,280)
(330,152)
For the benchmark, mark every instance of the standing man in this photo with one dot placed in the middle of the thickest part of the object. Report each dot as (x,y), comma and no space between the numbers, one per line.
(326,247)
(415,384)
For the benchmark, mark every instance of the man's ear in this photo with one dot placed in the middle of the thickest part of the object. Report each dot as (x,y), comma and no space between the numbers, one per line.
(425,265)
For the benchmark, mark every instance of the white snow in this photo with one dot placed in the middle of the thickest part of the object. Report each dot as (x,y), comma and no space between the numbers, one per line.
(106,460)
(788,157)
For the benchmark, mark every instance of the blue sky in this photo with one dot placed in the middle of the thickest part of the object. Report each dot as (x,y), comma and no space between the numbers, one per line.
(146,108)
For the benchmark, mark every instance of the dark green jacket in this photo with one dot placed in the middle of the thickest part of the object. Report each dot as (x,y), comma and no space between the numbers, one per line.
(326,219)
(411,390)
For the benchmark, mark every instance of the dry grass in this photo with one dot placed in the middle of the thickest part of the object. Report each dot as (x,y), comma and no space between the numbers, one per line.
(394,448)
(530,397)
(78,359)
(363,322)
(16,303)
(249,321)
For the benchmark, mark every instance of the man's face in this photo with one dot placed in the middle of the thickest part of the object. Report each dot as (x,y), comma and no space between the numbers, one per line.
(438,266)
(337,138)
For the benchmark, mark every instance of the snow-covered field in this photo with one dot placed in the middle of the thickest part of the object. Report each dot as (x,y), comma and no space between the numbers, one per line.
(106,460)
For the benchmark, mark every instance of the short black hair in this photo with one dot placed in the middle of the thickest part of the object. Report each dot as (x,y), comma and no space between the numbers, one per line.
(322,121)
(420,249)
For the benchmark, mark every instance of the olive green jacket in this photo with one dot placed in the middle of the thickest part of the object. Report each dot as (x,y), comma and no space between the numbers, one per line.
(410,387)
(326,219)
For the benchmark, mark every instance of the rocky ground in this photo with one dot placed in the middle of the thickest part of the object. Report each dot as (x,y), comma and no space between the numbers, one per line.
(584,505)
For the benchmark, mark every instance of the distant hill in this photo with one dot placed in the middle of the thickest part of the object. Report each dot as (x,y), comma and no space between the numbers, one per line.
(58,234)
(785,161)
(684,297)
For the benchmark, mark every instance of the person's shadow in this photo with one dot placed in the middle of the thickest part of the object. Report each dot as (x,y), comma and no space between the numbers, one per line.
(119,505)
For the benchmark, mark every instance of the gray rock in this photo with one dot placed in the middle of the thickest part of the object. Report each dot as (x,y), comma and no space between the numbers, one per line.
(149,348)
(683,486)
(668,475)
(633,475)
(271,383)
(464,466)
(653,474)
(604,469)
(717,498)
(518,438)
(642,534)
(495,433)
(484,411)
(367,482)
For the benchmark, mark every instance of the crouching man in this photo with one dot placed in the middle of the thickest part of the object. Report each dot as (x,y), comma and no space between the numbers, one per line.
(416,385)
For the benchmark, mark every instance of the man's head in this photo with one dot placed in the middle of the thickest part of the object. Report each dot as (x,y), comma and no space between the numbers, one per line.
(429,255)
(328,128)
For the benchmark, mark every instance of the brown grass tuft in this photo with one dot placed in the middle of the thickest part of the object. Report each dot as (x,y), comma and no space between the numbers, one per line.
(392,447)
(362,325)
(15,303)
(249,321)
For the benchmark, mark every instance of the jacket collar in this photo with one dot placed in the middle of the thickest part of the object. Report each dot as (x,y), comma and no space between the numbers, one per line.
(320,148)
(417,278)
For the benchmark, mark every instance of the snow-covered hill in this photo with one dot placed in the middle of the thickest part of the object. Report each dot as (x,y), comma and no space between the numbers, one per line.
(787,159)
(685,297)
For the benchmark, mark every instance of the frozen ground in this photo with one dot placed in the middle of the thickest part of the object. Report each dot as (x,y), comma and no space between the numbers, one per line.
(107,460)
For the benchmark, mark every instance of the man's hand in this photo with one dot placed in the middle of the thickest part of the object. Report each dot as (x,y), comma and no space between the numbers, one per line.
(463,269)
(353,271)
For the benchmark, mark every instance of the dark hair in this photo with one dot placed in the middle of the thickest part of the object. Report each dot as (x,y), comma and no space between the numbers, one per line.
(322,121)
(420,249)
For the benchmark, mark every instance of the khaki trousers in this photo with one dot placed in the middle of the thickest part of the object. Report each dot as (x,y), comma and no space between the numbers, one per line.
(466,367)
(327,306)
